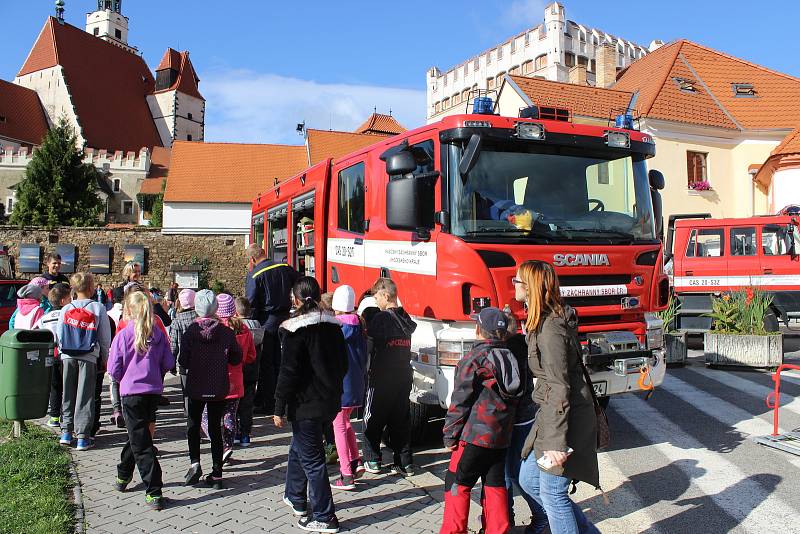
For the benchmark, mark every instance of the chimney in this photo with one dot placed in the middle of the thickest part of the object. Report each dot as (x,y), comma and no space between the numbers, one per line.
(577,75)
(606,72)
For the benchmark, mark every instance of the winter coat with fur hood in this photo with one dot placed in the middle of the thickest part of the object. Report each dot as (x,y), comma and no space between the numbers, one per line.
(313,367)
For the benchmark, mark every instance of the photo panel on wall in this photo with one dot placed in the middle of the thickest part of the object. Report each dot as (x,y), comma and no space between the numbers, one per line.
(68,257)
(99,259)
(136,254)
(30,258)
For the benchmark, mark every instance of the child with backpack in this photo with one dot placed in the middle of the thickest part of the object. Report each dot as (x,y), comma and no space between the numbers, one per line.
(226,311)
(140,357)
(249,372)
(350,464)
(207,349)
(84,336)
(58,297)
(478,426)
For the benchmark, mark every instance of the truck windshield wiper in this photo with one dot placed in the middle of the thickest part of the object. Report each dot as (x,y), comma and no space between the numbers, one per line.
(503,230)
(599,231)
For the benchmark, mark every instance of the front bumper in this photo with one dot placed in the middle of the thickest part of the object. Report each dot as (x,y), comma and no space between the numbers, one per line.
(432,384)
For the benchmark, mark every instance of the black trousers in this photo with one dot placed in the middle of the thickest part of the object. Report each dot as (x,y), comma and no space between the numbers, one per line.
(98,401)
(139,411)
(387,406)
(245,411)
(56,390)
(268,371)
(215,411)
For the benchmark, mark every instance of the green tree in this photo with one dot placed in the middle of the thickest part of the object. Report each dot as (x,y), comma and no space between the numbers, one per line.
(59,189)
(157,211)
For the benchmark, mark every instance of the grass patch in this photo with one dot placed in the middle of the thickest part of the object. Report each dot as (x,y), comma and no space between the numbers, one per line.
(34,483)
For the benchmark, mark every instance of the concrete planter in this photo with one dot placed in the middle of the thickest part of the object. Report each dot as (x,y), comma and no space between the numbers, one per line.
(675,346)
(749,351)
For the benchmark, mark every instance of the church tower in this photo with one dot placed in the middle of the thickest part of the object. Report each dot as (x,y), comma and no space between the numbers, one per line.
(109,24)
(177,106)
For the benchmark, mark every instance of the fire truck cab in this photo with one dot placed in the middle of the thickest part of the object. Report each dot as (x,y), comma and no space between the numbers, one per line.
(712,256)
(450,210)
(8,290)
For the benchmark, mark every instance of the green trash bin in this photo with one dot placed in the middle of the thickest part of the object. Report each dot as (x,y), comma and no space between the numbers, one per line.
(26,363)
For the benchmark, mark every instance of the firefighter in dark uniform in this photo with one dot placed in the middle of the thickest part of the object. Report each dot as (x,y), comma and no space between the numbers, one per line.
(268,288)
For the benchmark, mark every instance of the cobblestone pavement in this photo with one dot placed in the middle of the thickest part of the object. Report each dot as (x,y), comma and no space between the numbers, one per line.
(251,500)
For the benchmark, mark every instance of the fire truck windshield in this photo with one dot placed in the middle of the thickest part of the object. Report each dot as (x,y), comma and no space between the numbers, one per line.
(524,191)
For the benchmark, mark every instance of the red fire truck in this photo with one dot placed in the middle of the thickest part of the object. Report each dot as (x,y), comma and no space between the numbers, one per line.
(449,211)
(710,256)
(8,290)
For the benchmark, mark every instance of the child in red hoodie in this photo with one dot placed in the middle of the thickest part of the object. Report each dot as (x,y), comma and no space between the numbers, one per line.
(226,311)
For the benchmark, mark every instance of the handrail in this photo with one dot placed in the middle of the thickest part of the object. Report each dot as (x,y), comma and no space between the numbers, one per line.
(773,399)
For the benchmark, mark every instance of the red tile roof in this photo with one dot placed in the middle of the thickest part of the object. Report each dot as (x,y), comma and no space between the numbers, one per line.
(108,86)
(171,60)
(579,99)
(789,145)
(381,124)
(22,117)
(159,167)
(325,144)
(713,102)
(159,162)
(228,173)
(187,80)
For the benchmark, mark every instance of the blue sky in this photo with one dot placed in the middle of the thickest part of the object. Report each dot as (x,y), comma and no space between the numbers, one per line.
(266,65)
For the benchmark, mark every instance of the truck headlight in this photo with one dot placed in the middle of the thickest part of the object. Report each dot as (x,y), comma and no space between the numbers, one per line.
(655,331)
(451,352)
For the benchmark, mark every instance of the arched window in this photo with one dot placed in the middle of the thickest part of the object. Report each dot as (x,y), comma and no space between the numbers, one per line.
(541,61)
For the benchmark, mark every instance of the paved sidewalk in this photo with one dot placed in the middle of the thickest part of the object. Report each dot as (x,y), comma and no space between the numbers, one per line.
(251,500)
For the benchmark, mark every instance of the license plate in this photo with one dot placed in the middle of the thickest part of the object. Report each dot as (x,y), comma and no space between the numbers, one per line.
(600,388)
(593,291)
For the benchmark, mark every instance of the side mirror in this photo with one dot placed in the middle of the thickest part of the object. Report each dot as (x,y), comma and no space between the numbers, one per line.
(470,156)
(657,180)
(401,163)
(410,203)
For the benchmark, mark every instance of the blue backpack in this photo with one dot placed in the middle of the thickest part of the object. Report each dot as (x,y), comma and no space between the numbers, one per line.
(80,331)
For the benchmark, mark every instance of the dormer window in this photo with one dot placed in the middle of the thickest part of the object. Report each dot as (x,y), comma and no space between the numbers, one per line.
(744,90)
(686,85)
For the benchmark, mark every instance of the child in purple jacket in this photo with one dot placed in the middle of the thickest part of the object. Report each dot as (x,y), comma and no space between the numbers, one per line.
(140,356)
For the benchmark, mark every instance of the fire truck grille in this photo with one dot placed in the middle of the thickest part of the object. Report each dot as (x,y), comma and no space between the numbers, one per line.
(594,279)
(581,302)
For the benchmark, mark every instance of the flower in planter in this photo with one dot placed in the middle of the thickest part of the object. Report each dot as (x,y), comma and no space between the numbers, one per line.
(702,185)
(740,312)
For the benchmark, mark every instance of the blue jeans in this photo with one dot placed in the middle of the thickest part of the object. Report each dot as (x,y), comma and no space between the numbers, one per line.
(564,516)
(513,464)
(306,473)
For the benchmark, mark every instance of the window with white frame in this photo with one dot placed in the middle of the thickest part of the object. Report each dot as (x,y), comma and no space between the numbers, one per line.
(127,207)
(9,204)
(697,168)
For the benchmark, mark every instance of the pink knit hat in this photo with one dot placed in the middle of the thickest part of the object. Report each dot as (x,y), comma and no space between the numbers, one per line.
(226,306)
(40,282)
(186,298)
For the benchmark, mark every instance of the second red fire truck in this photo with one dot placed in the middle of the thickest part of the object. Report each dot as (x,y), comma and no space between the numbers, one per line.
(451,209)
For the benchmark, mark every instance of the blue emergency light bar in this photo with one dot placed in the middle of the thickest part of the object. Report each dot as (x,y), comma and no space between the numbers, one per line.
(483,105)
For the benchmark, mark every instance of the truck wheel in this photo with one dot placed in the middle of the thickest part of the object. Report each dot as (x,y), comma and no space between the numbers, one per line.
(418,416)
(603,402)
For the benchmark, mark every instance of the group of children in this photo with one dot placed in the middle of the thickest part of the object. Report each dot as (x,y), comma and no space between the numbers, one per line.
(335,359)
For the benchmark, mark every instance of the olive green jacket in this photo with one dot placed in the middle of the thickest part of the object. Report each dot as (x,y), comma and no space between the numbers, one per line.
(566,416)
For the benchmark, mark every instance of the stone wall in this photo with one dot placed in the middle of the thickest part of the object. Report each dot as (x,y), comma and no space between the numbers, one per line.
(226,254)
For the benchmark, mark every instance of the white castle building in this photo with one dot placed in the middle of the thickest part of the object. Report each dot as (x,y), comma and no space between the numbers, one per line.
(558,50)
